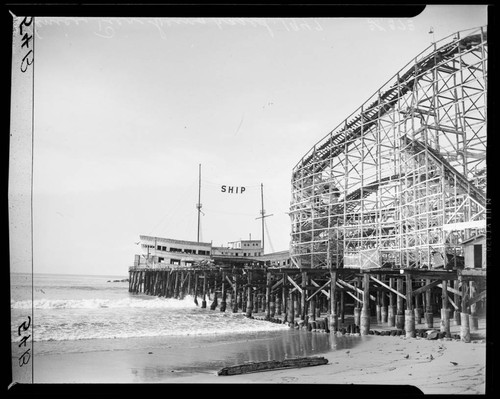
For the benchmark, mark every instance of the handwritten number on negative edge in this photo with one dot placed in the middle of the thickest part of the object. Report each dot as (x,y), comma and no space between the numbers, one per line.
(28,57)
(24,23)
(24,326)
(26,356)
(26,62)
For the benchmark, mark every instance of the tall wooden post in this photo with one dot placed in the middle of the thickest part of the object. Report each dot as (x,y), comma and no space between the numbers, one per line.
(177,284)
(365,311)
(278,302)
(304,293)
(223,302)
(249,306)
(474,321)
(400,315)
(268,295)
(383,311)
(378,304)
(204,299)
(312,308)
(342,306)
(284,298)
(189,283)
(334,324)
(457,300)
(357,308)
(418,309)
(297,305)
(196,288)
(464,316)
(429,316)
(391,311)
(409,313)
(445,312)
(215,302)
(291,310)
(235,295)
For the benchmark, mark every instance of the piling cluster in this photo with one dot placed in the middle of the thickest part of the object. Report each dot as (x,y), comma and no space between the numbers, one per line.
(339,301)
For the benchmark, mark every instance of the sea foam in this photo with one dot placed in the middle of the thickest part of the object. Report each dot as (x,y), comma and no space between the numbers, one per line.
(132,302)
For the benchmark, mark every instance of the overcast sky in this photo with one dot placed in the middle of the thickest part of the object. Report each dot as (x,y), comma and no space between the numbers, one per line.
(126,110)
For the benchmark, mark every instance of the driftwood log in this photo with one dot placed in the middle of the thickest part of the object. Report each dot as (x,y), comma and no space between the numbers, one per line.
(273,365)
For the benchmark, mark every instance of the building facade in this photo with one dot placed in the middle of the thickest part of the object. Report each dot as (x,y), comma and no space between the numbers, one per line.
(159,252)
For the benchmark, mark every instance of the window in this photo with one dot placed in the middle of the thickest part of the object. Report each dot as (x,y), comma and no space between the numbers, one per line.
(158,247)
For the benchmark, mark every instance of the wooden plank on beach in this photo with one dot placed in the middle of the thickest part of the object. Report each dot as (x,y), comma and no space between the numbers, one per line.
(273,365)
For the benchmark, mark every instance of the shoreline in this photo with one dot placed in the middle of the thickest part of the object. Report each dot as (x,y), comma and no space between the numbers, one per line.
(441,366)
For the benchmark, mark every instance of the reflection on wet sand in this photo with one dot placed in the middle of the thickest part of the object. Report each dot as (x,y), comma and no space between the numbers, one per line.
(211,358)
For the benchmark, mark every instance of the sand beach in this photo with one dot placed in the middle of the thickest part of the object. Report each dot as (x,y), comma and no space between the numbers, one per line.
(441,366)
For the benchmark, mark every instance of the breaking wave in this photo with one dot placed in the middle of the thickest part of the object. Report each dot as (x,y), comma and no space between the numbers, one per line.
(132,302)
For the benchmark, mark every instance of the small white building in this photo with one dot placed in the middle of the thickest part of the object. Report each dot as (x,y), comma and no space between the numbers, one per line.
(244,248)
(475,252)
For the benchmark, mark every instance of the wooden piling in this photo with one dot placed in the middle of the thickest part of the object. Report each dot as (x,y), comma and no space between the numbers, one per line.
(249,305)
(365,311)
(297,305)
(334,325)
(357,308)
(383,310)
(223,302)
(284,298)
(312,309)
(268,295)
(342,307)
(473,319)
(236,296)
(304,296)
(204,299)
(445,312)
(429,316)
(418,309)
(378,304)
(277,302)
(457,300)
(464,316)
(291,308)
(400,314)
(409,313)
(272,305)
(391,311)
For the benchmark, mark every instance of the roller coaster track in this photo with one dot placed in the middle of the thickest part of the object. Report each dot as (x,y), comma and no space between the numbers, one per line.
(412,155)
(353,129)
(450,173)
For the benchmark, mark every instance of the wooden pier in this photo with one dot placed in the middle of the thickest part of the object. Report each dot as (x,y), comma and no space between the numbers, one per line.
(323,299)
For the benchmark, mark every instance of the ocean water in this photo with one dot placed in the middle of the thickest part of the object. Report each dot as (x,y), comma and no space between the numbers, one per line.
(70,310)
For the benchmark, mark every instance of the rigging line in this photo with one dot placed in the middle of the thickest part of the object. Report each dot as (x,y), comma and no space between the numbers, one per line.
(174,209)
(268,237)
(228,213)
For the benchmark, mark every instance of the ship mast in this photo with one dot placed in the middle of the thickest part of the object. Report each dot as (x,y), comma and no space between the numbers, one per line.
(263,214)
(198,205)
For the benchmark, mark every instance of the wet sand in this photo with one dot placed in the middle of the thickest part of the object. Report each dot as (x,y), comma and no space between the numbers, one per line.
(442,366)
